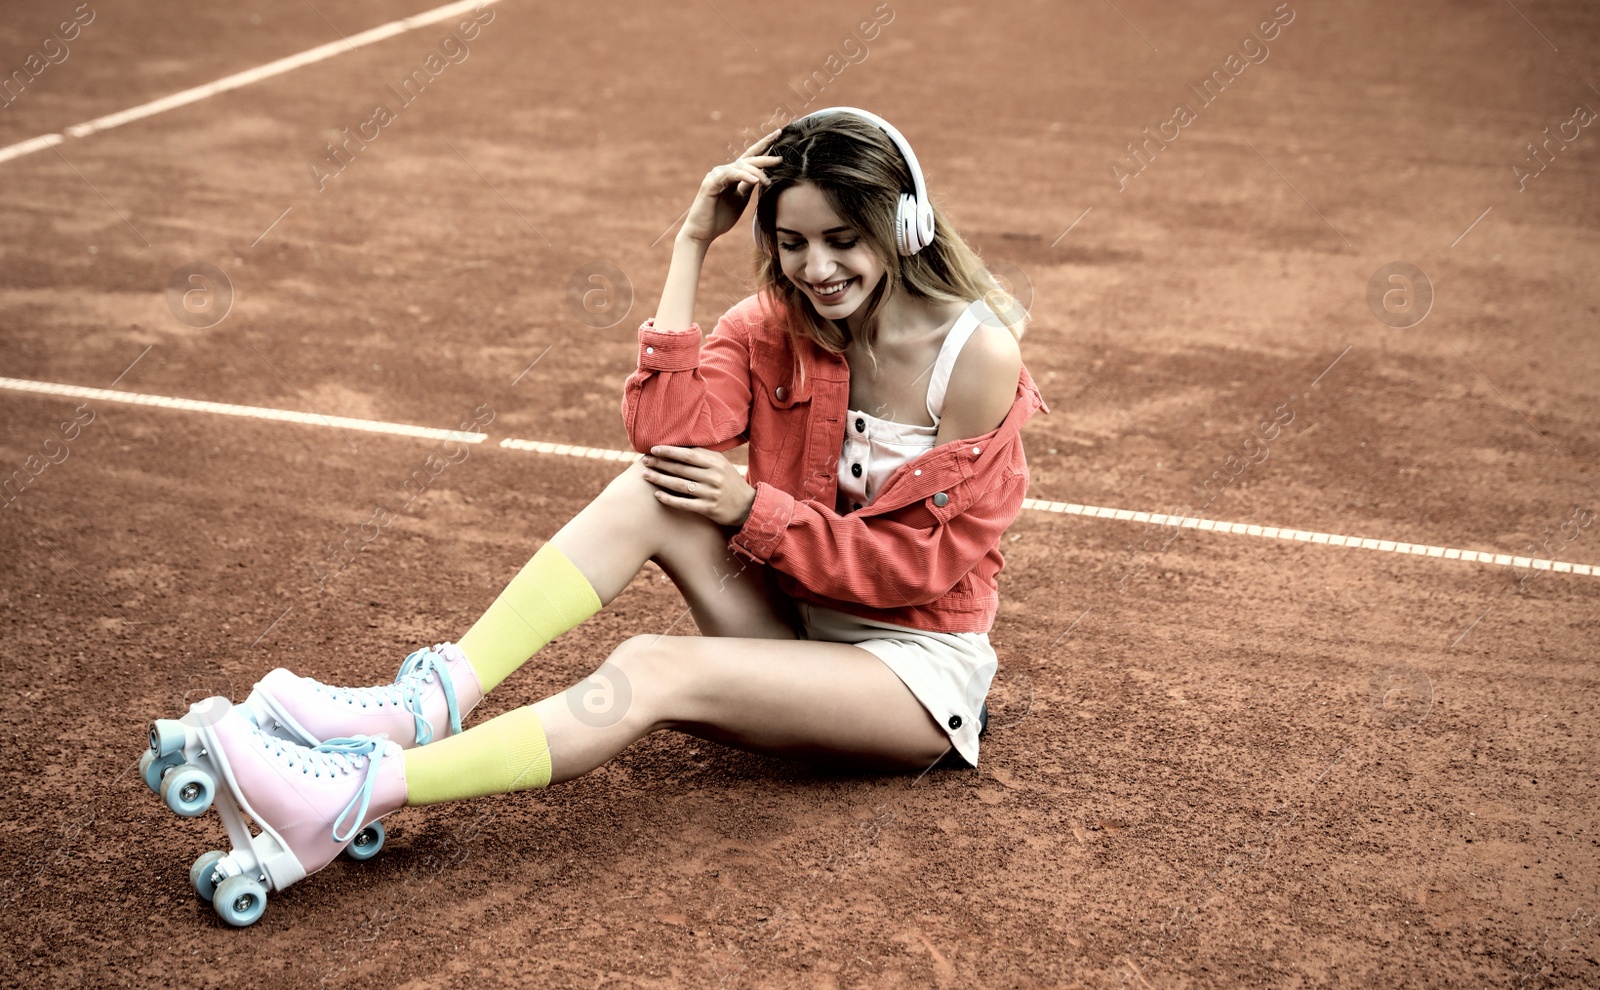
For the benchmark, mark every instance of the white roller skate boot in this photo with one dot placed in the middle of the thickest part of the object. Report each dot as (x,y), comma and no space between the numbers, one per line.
(309,803)
(426,701)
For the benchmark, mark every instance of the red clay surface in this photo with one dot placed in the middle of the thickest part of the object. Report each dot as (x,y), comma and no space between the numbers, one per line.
(1215,761)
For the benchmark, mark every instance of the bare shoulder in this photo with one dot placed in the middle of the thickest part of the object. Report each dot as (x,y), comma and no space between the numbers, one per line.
(983,384)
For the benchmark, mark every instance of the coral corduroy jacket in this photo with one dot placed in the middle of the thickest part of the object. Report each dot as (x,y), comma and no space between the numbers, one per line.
(925,553)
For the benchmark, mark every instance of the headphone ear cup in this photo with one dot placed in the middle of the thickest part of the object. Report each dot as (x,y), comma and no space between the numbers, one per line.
(918,222)
(906,225)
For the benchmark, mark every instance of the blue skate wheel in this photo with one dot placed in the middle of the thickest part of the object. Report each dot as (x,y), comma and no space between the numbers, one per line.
(367,843)
(240,900)
(166,737)
(150,771)
(152,767)
(202,875)
(188,791)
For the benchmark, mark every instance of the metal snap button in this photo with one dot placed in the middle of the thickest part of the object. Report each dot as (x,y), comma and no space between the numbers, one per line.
(855,469)
(917,472)
(955,722)
(649,350)
(779,392)
(941,499)
(975,450)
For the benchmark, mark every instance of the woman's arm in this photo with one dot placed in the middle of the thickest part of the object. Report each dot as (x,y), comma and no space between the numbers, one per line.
(689,393)
(676,310)
(879,561)
(720,201)
(667,399)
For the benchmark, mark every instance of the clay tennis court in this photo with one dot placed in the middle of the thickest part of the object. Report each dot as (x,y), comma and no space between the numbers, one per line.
(1216,758)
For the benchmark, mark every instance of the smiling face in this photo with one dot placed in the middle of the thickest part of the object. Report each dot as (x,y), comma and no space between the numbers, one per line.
(818,250)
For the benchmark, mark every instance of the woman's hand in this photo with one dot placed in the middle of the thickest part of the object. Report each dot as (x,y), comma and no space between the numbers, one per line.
(725,191)
(698,480)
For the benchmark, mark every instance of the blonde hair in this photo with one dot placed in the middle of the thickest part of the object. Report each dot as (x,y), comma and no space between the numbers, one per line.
(861,173)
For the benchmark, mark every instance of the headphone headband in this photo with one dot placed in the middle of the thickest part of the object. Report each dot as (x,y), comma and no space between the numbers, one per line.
(914,220)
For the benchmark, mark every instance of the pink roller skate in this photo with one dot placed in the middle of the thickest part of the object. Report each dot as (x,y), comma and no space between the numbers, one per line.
(310,804)
(434,689)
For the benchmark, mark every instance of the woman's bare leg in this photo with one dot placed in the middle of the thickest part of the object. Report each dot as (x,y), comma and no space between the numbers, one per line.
(585,565)
(733,684)
(625,525)
(799,698)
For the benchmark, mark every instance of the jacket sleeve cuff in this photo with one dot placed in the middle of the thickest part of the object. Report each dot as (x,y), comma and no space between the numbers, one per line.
(668,350)
(769,518)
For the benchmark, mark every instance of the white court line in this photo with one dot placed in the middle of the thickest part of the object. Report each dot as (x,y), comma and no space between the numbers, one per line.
(573,450)
(1307,536)
(251,412)
(29,146)
(244,78)
(570,450)
(606,454)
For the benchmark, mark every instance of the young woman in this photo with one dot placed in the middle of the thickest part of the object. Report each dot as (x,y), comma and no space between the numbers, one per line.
(844,587)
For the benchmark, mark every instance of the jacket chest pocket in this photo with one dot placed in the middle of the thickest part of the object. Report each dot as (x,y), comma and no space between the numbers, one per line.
(778,411)
(948,502)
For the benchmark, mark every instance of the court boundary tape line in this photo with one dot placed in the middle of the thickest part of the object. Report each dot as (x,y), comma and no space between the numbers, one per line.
(1310,536)
(239,79)
(602,453)
(229,409)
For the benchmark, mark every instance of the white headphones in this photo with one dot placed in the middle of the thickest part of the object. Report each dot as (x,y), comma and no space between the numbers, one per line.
(914,219)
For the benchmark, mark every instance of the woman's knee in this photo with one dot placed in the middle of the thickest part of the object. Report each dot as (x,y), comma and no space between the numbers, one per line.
(669,679)
(631,483)
(638,681)
(635,494)
(635,651)
(675,678)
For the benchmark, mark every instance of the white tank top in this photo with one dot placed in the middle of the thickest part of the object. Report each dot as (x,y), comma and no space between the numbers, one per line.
(874,447)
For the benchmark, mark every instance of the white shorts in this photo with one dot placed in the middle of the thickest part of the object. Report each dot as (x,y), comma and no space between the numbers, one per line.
(949,673)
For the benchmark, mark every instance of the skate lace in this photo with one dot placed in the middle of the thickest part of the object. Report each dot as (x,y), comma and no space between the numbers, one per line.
(415,670)
(342,755)
(406,691)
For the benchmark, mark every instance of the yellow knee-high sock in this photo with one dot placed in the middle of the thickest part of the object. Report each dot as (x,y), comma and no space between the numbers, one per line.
(507,753)
(546,598)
